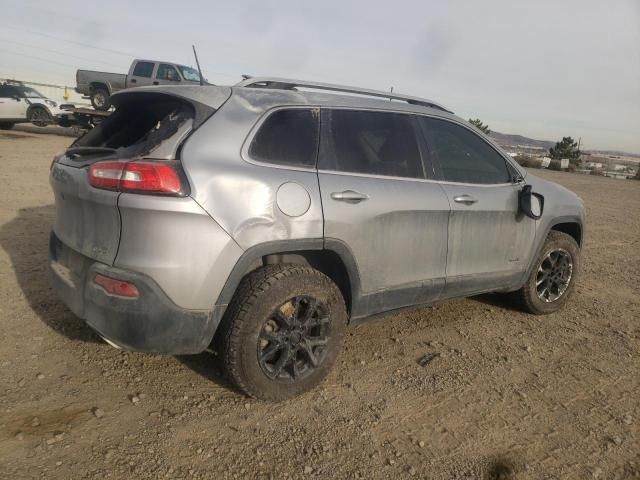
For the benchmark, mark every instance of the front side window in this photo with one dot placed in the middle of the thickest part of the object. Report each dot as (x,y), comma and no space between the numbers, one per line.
(375,143)
(167,72)
(463,156)
(288,137)
(28,92)
(143,69)
(189,73)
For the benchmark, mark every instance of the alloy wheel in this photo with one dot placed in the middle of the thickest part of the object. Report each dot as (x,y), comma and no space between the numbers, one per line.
(293,341)
(554,275)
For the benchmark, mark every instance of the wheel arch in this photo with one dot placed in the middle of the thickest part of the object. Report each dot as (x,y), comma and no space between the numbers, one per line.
(331,257)
(35,106)
(93,86)
(571,225)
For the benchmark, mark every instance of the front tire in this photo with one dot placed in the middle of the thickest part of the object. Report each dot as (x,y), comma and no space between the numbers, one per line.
(553,278)
(40,117)
(100,99)
(282,332)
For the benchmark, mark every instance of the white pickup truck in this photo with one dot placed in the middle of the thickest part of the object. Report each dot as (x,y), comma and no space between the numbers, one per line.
(99,86)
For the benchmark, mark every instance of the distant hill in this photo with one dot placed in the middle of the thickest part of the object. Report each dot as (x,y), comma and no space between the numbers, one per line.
(509,140)
(506,139)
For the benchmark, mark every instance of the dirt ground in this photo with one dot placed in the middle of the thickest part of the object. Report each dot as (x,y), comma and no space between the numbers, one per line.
(511,395)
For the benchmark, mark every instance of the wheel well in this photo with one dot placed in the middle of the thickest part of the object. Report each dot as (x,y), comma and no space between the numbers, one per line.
(570,228)
(325,261)
(36,106)
(95,86)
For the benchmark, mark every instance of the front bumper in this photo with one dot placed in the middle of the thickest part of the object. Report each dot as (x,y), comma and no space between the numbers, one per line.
(149,323)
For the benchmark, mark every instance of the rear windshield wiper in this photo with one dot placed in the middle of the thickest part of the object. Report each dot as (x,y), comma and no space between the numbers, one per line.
(89,150)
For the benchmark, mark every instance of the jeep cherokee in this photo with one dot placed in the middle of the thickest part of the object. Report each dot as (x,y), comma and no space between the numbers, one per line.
(262,219)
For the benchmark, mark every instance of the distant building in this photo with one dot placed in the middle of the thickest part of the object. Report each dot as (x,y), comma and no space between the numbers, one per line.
(594,165)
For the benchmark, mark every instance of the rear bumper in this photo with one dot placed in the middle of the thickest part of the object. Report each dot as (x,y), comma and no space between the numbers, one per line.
(149,323)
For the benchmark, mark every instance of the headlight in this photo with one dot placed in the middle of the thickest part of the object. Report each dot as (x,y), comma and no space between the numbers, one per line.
(51,103)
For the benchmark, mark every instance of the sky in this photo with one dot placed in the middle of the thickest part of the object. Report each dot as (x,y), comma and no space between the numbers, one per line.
(544,69)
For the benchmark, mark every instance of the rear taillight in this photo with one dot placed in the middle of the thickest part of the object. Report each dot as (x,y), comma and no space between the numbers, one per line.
(56,157)
(138,177)
(119,288)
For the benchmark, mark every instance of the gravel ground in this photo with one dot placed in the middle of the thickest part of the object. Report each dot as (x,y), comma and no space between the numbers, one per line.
(510,395)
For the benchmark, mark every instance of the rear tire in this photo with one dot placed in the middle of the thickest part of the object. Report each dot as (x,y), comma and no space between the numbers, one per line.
(101,100)
(6,125)
(282,332)
(553,277)
(39,116)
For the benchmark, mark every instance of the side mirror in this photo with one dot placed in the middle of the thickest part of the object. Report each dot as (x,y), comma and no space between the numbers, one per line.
(16,98)
(531,204)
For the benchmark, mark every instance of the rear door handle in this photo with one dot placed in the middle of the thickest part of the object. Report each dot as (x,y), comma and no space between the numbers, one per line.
(465,199)
(155,83)
(133,80)
(349,196)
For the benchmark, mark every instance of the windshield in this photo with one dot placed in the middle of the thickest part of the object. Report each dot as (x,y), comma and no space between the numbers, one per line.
(28,92)
(189,73)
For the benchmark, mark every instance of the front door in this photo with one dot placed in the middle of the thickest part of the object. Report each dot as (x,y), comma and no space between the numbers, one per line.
(379,203)
(489,238)
(167,75)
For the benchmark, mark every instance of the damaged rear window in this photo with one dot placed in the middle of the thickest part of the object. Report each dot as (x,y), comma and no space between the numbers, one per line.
(140,126)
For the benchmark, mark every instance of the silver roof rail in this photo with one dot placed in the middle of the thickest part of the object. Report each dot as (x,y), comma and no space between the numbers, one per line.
(288,84)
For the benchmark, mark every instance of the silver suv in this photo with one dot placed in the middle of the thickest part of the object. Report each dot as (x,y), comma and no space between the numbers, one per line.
(262,219)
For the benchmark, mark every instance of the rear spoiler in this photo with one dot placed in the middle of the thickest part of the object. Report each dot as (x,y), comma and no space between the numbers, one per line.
(205,99)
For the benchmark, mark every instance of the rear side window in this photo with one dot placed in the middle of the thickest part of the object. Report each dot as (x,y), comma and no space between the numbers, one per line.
(462,155)
(288,137)
(375,143)
(143,69)
(8,92)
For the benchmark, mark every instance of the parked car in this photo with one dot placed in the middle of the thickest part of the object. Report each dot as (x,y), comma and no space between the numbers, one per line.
(261,220)
(99,86)
(22,104)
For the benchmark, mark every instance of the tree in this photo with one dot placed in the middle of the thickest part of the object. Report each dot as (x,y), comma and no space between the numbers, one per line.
(566,148)
(479,125)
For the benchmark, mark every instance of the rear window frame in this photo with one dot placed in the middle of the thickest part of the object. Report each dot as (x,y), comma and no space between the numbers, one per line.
(246,146)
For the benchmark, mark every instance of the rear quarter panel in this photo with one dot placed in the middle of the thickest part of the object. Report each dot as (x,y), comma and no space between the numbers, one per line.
(242,195)
(175,242)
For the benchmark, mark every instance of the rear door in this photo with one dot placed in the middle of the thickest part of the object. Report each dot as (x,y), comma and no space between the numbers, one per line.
(141,74)
(488,237)
(379,202)
(12,106)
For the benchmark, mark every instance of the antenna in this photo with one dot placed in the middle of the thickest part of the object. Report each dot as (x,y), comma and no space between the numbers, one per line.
(198,64)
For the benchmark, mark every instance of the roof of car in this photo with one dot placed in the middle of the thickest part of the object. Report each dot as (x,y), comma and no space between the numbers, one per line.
(292,84)
(269,98)
(262,98)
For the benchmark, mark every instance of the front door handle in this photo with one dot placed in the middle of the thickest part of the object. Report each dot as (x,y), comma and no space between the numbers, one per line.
(349,196)
(465,199)
(155,83)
